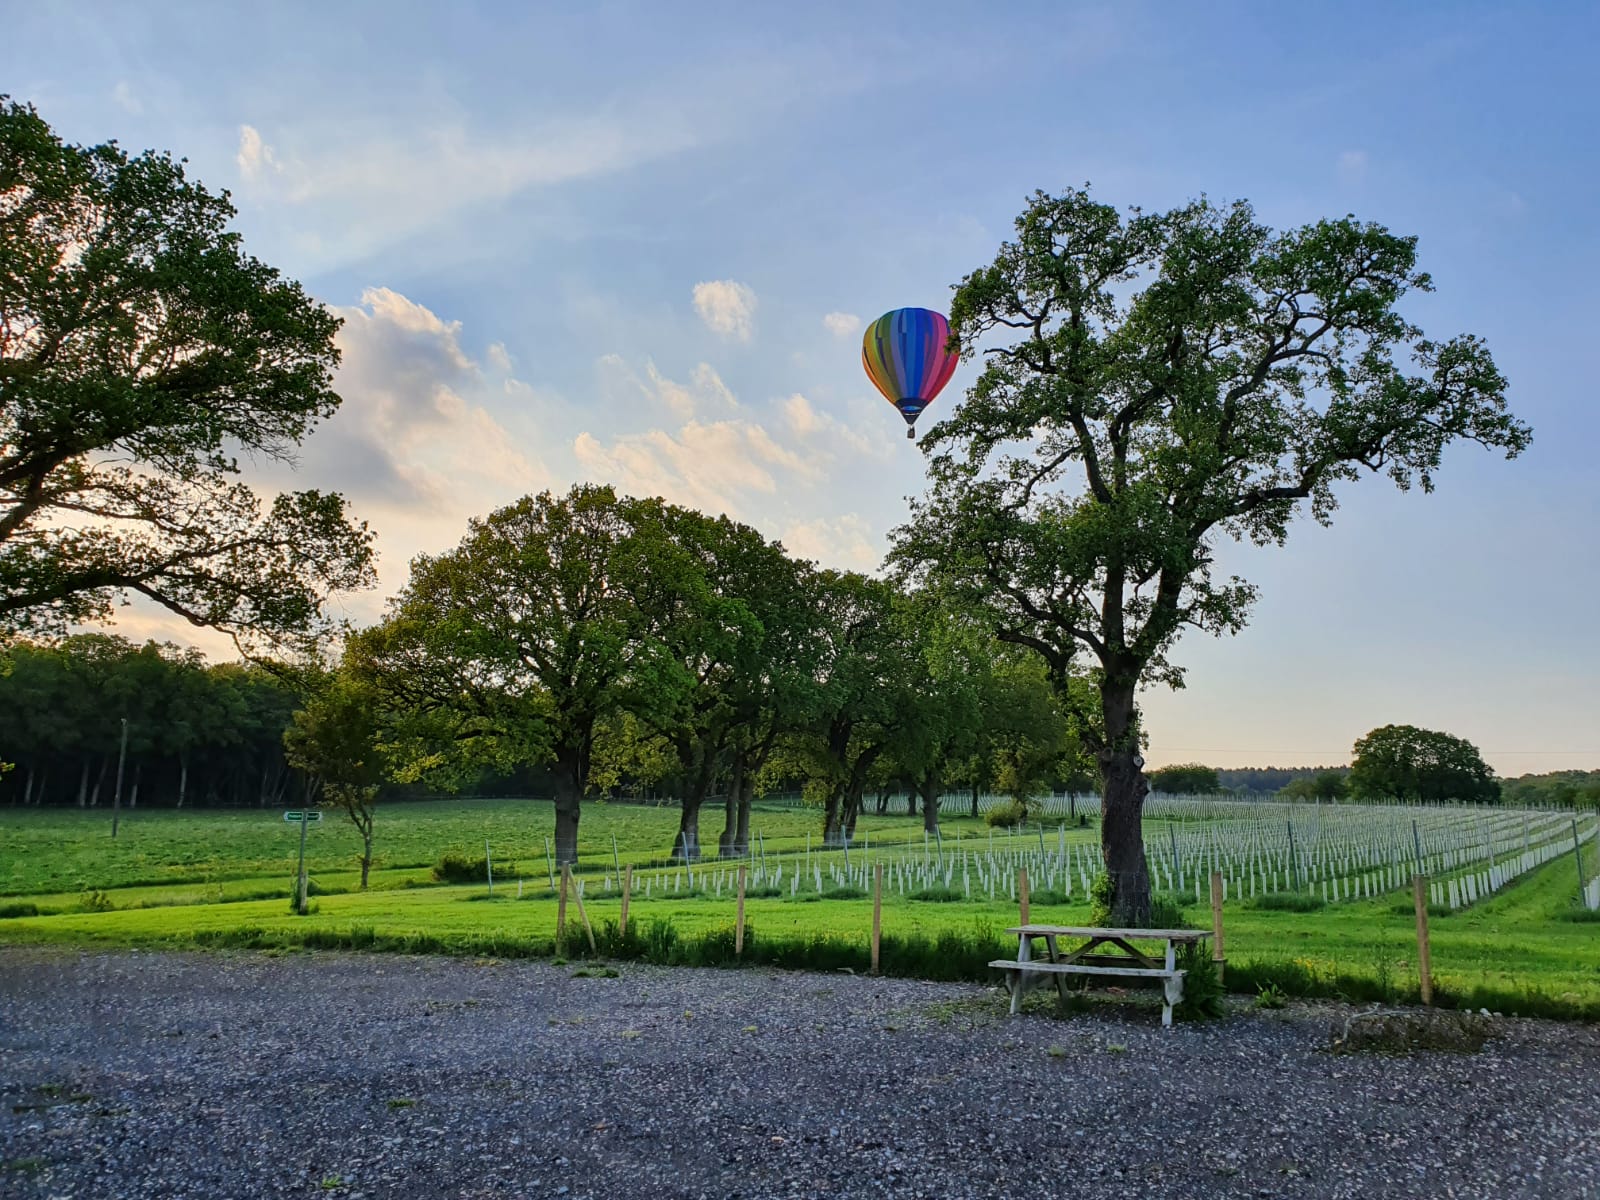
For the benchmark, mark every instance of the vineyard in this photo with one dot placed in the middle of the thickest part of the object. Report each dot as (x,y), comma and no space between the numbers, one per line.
(1316,899)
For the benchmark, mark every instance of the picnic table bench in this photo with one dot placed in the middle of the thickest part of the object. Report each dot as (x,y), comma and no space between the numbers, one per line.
(1117,956)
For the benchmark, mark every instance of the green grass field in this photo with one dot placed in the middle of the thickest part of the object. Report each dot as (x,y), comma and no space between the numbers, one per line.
(183,879)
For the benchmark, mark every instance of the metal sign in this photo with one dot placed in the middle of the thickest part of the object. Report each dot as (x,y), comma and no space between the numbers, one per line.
(309,815)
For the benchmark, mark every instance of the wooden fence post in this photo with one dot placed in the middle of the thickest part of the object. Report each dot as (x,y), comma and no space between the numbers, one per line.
(1419,892)
(583,915)
(1217,954)
(1022,892)
(627,890)
(877,913)
(561,905)
(738,924)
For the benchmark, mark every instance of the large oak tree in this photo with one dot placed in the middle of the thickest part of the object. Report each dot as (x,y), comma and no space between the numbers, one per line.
(142,352)
(1163,381)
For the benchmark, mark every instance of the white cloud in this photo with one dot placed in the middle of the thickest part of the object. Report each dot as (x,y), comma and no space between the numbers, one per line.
(710,466)
(1353,166)
(255,157)
(123,95)
(372,181)
(416,445)
(827,433)
(704,389)
(841,324)
(728,308)
(841,542)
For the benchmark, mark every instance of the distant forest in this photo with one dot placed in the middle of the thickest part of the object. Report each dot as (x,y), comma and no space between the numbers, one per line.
(1264,781)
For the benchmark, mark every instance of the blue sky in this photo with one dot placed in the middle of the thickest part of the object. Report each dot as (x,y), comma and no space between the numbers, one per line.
(635,242)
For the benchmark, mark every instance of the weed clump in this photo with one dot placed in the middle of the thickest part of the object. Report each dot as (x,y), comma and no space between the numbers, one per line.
(1300,902)
(453,867)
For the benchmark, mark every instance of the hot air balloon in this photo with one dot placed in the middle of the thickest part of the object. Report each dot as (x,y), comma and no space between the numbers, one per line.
(905,357)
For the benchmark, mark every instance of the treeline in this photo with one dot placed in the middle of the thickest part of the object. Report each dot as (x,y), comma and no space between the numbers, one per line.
(199,735)
(1266,781)
(1565,789)
(196,734)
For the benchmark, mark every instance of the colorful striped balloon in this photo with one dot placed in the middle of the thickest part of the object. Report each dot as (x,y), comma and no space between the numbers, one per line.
(905,356)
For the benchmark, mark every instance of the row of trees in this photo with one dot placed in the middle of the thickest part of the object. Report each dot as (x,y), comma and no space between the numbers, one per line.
(627,641)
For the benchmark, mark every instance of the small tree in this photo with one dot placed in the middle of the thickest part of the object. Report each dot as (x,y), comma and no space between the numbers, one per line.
(1171,379)
(1420,764)
(336,739)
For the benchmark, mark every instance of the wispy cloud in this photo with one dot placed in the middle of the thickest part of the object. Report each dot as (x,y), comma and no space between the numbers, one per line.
(841,324)
(255,157)
(844,542)
(727,307)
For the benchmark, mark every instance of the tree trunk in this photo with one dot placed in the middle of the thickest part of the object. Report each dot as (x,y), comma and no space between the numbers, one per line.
(974,799)
(686,846)
(747,791)
(83,785)
(133,794)
(366,855)
(94,793)
(1122,809)
(911,801)
(569,793)
(831,832)
(27,795)
(930,801)
(852,812)
(183,779)
(730,809)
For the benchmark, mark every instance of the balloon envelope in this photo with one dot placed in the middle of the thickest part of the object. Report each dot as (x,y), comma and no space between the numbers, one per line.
(905,357)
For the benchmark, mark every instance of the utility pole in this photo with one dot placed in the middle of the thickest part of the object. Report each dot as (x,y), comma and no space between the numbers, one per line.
(116,800)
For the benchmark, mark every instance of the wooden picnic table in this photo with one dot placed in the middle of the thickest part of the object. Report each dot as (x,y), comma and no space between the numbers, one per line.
(1098,952)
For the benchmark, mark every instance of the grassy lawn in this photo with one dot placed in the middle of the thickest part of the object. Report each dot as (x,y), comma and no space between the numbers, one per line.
(224,878)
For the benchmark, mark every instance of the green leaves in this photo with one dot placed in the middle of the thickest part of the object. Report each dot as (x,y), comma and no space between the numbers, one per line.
(1420,764)
(141,350)
(1154,382)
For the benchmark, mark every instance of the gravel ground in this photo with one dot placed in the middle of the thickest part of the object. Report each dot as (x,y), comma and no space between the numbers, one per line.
(249,1075)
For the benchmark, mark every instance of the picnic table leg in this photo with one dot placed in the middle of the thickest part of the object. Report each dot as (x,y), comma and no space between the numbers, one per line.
(1172,993)
(1024,954)
(1172,987)
(1055,956)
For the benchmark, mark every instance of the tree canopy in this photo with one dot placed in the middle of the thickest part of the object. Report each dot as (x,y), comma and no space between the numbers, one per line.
(1420,764)
(1163,381)
(142,351)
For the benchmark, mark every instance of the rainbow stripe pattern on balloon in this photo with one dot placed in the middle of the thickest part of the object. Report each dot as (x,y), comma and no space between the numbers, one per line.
(906,355)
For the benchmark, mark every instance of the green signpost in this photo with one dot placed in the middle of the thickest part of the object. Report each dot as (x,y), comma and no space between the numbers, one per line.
(305,816)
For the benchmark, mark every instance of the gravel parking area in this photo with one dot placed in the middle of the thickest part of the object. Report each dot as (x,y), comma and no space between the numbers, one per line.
(250,1075)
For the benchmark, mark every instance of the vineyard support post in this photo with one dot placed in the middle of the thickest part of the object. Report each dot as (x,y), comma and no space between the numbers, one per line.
(627,891)
(1419,892)
(561,906)
(1217,955)
(877,913)
(738,923)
